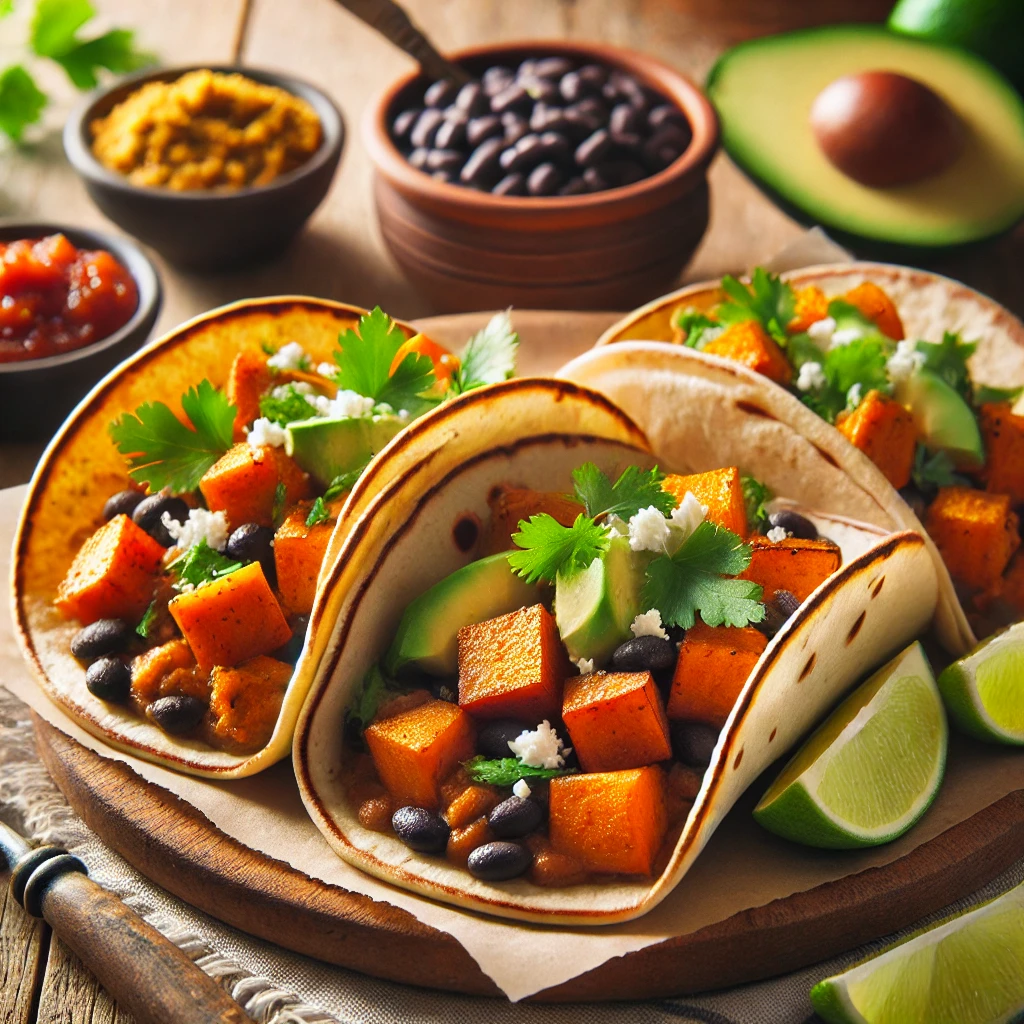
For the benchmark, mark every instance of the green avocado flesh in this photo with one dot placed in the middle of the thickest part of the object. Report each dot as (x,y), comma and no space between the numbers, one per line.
(763,91)
(944,420)
(427,636)
(327,448)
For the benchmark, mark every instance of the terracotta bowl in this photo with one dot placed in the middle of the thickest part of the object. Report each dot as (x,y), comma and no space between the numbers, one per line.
(469,250)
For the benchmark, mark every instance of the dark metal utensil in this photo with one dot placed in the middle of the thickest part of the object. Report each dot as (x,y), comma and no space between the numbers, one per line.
(395,25)
(144,972)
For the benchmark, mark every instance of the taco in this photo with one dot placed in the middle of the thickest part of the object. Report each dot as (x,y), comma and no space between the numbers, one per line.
(166,564)
(921,375)
(502,718)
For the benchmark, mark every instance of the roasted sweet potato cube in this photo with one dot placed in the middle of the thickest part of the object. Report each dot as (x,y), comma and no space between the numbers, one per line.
(245,703)
(166,671)
(810,306)
(612,822)
(510,505)
(298,554)
(749,344)
(877,306)
(413,751)
(884,431)
(976,534)
(513,666)
(248,380)
(473,802)
(720,489)
(113,574)
(232,619)
(792,564)
(242,484)
(713,667)
(616,720)
(1004,445)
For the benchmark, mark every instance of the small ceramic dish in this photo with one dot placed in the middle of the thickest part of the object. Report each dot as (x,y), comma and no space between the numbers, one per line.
(36,394)
(209,230)
(469,250)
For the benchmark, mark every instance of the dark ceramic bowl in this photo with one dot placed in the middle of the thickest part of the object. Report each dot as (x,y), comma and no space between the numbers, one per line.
(471,250)
(37,394)
(201,229)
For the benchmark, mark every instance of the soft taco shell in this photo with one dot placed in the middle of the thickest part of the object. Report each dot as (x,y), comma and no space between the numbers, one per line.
(882,596)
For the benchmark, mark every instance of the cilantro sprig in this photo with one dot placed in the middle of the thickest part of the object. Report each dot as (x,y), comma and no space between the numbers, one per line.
(948,359)
(635,489)
(201,564)
(344,482)
(507,771)
(372,692)
(319,513)
(489,356)
(933,470)
(148,620)
(164,452)
(550,549)
(288,405)
(697,328)
(755,496)
(768,300)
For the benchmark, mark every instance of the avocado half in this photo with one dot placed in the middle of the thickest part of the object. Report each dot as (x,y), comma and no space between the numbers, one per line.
(763,91)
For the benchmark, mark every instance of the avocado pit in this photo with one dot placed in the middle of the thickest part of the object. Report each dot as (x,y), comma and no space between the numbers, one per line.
(883,129)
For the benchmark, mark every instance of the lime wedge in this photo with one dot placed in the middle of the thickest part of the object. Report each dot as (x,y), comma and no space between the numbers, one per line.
(871,769)
(984,691)
(969,970)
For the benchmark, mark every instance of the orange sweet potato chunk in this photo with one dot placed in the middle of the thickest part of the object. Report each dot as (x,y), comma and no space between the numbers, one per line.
(747,343)
(720,489)
(1004,445)
(884,431)
(470,804)
(513,666)
(877,306)
(610,821)
(616,720)
(242,484)
(299,552)
(811,305)
(165,671)
(245,703)
(413,751)
(714,664)
(793,564)
(976,534)
(113,574)
(509,505)
(232,619)
(248,380)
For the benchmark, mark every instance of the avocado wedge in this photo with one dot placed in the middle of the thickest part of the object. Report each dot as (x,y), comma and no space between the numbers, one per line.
(764,89)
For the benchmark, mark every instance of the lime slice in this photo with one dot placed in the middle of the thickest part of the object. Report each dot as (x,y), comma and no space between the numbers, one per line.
(969,970)
(984,691)
(871,769)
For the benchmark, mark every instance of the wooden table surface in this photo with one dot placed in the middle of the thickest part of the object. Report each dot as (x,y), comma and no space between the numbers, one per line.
(340,254)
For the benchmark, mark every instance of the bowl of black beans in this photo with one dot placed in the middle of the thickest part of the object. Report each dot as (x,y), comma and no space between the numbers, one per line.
(562,175)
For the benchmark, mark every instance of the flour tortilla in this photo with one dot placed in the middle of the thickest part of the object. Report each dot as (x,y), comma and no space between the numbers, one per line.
(883,595)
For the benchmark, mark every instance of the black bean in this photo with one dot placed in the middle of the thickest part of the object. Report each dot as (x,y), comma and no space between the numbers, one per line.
(515,128)
(512,97)
(787,602)
(543,180)
(515,817)
(644,654)
(552,67)
(511,185)
(426,126)
(664,114)
(178,714)
(291,650)
(472,100)
(482,167)
(623,172)
(418,157)
(254,543)
(420,829)
(624,119)
(122,503)
(777,612)
(446,690)
(665,145)
(595,180)
(573,187)
(450,160)
(493,739)
(544,114)
(526,67)
(556,146)
(540,89)
(628,140)
(109,679)
(149,515)
(574,87)
(594,74)
(526,153)
(794,523)
(104,636)
(403,123)
(592,150)
(441,93)
(592,105)
(500,861)
(495,79)
(452,133)
(480,128)
(694,742)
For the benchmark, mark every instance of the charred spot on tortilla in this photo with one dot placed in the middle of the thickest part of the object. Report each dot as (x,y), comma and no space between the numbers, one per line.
(878,588)
(466,532)
(752,409)
(826,456)
(855,628)
(807,669)
(739,758)
(773,734)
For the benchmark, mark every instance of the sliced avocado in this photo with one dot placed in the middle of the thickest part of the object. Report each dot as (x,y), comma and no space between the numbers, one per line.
(763,90)
(943,419)
(595,608)
(328,447)
(427,636)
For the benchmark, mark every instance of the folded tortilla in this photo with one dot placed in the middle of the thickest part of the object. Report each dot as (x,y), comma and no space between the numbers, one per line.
(883,595)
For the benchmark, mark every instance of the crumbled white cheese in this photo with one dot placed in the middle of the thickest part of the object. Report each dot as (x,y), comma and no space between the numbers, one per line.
(811,377)
(540,747)
(648,531)
(821,332)
(904,362)
(327,370)
(649,624)
(585,665)
(521,790)
(844,336)
(289,357)
(777,534)
(299,387)
(200,525)
(345,405)
(264,431)
(854,396)
(687,515)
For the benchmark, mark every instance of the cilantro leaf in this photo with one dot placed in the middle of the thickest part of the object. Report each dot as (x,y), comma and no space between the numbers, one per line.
(277,509)
(201,564)
(21,102)
(933,470)
(692,580)
(163,452)
(549,548)
(147,621)
(948,359)
(319,513)
(849,318)
(345,482)
(755,496)
(985,394)
(635,489)
(860,362)
(287,406)
(368,700)
(489,356)
(768,300)
(507,771)
(55,24)
(697,328)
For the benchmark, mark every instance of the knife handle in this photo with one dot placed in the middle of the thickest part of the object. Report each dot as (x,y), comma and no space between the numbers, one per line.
(141,969)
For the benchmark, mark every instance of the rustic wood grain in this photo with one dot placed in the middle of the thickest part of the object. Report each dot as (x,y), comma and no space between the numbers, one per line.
(23,949)
(71,995)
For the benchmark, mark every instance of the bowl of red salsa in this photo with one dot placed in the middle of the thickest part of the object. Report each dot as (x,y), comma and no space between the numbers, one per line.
(73,304)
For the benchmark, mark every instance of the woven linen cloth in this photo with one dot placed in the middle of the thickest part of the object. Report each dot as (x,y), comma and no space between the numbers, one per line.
(279,987)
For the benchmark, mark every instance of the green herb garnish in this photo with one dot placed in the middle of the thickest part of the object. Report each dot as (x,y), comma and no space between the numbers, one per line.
(860,362)
(289,405)
(373,690)
(163,452)
(948,359)
(507,771)
(201,564)
(148,620)
(933,470)
(489,356)
(549,548)
(345,481)
(21,102)
(319,513)
(755,496)
(985,394)
(697,328)
(277,509)
(768,300)
(635,489)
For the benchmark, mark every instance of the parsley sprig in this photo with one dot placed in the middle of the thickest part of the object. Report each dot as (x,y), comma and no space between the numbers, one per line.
(201,564)
(768,300)
(489,356)
(507,771)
